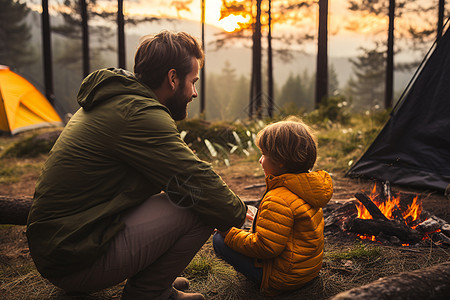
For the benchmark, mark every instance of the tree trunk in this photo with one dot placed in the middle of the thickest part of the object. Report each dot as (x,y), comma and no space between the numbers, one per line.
(47,53)
(270,65)
(257,73)
(389,89)
(202,71)
(85,37)
(14,210)
(121,35)
(428,283)
(322,54)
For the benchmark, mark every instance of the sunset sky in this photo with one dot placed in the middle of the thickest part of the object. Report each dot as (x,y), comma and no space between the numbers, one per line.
(338,16)
(342,41)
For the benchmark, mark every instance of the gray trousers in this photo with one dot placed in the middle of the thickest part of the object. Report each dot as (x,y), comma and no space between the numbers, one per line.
(158,242)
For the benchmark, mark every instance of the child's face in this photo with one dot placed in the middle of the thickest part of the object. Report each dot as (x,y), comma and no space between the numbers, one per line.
(270,167)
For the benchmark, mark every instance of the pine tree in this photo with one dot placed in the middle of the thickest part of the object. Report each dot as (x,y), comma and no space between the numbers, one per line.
(72,28)
(15,34)
(299,91)
(366,87)
(333,82)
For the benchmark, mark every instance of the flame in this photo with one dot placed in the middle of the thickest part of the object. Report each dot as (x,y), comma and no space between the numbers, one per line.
(389,208)
(367,237)
(414,210)
(427,234)
(411,214)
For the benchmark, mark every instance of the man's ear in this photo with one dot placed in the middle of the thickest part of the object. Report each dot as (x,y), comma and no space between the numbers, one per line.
(172,78)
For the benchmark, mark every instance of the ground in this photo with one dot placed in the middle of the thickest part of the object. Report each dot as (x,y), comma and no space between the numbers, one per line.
(343,267)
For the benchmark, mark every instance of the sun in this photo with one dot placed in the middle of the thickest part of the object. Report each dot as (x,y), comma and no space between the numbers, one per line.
(233,22)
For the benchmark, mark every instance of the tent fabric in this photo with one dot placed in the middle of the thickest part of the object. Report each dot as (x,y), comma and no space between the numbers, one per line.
(413,148)
(22,106)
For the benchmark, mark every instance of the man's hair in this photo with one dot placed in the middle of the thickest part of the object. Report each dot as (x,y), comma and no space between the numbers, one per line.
(291,143)
(157,54)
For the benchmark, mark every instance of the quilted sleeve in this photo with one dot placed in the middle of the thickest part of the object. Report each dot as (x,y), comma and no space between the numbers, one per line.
(274,223)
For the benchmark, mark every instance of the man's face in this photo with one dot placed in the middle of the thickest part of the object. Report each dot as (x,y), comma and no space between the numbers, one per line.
(184,93)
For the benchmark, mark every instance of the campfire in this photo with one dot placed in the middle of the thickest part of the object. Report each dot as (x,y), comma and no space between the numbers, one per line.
(386,217)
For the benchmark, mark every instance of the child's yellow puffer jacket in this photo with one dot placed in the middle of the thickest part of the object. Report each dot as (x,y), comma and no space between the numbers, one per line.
(287,234)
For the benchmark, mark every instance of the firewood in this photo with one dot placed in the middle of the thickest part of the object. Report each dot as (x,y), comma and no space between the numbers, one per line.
(14,210)
(431,224)
(388,227)
(341,215)
(428,283)
(371,207)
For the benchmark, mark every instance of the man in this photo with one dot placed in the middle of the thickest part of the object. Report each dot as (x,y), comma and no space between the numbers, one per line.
(99,216)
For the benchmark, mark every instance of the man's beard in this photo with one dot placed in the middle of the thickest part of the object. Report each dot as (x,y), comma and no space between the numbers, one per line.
(177,105)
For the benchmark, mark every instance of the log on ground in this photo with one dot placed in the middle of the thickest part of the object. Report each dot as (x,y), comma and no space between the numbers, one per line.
(14,210)
(428,283)
(389,227)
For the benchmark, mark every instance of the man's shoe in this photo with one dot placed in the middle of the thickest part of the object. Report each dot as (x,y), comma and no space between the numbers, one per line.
(179,295)
(181,284)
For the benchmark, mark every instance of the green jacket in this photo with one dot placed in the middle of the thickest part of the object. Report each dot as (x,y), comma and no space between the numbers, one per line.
(120,148)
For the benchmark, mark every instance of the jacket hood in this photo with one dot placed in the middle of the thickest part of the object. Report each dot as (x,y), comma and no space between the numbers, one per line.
(104,84)
(316,188)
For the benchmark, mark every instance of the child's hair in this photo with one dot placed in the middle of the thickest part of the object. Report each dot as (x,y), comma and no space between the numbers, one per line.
(291,143)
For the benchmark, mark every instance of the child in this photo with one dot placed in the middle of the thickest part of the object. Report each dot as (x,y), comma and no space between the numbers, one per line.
(284,249)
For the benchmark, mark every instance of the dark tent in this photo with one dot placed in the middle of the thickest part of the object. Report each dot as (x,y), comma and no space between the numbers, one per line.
(413,148)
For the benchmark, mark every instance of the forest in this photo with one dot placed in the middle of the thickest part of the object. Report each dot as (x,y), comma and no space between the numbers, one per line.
(77,37)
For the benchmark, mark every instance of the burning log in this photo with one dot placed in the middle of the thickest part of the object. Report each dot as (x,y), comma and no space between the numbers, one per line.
(371,207)
(380,224)
(384,216)
(429,283)
(14,210)
(388,227)
(341,215)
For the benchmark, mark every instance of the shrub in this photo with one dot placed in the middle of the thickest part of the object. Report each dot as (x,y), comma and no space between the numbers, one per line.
(217,141)
(332,109)
(33,146)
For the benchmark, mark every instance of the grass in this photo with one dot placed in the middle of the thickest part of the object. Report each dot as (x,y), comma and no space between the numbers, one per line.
(358,251)
(12,170)
(23,154)
(340,144)
(347,263)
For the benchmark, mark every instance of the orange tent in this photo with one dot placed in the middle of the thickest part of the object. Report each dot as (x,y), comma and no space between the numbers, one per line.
(22,106)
